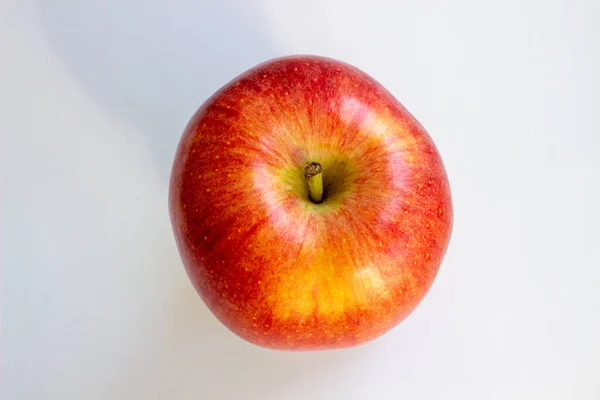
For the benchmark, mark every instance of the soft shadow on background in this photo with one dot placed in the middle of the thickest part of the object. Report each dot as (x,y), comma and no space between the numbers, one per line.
(155,64)
(152,66)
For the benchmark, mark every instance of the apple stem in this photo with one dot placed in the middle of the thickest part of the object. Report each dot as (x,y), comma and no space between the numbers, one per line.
(313,173)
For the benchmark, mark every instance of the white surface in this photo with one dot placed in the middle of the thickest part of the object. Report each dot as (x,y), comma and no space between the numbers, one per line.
(93,98)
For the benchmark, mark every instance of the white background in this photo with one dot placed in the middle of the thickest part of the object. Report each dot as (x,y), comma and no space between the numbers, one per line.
(94,95)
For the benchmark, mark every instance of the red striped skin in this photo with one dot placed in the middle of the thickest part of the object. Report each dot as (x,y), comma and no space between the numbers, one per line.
(276,269)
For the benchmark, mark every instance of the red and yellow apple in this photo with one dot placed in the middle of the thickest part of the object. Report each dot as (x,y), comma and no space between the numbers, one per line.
(310,208)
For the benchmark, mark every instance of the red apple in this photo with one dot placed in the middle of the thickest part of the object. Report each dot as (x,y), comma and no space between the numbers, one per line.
(277,262)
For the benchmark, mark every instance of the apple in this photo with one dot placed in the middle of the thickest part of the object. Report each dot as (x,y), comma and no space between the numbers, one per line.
(310,208)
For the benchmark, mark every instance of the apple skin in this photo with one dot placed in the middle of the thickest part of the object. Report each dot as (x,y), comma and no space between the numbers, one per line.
(276,269)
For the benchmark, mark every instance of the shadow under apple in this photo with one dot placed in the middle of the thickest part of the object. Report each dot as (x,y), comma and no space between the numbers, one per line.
(154,63)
